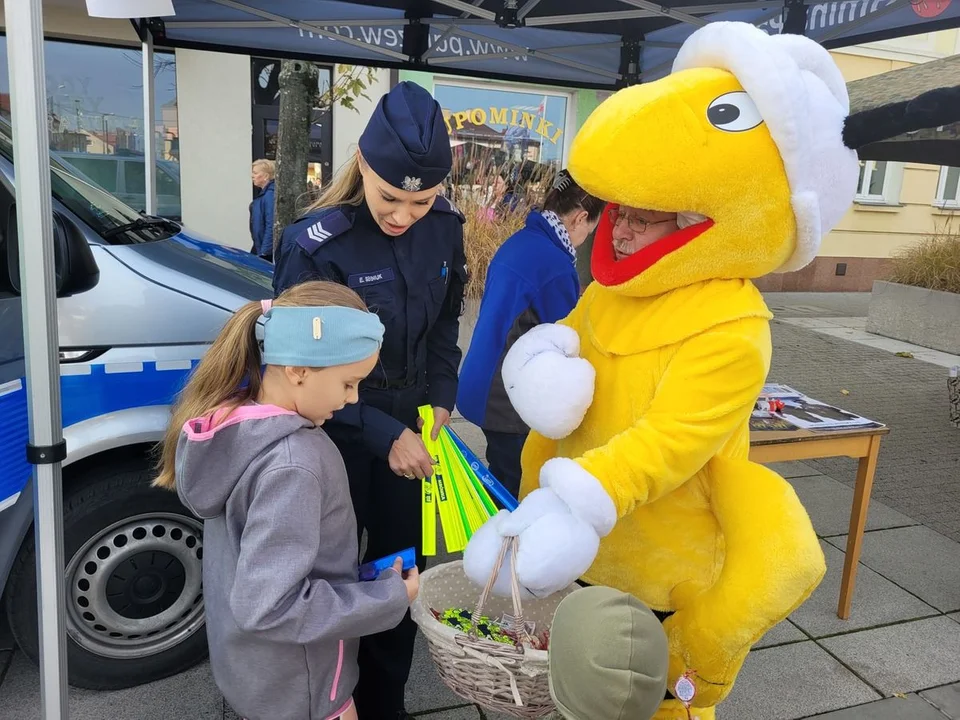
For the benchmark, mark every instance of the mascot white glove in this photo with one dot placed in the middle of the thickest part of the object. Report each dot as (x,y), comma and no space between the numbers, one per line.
(548,383)
(558,527)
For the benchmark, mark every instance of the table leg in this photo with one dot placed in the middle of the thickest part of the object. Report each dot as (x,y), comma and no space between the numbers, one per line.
(858,521)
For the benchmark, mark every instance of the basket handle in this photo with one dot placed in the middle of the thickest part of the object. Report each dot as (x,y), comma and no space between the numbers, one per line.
(509,543)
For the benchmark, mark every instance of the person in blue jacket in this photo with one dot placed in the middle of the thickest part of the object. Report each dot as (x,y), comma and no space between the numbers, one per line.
(261,209)
(382,229)
(532,279)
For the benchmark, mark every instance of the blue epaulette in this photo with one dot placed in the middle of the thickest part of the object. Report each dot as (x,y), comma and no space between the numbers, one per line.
(442,204)
(321,226)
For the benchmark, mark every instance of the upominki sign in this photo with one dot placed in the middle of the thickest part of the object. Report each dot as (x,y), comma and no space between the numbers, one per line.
(503,116)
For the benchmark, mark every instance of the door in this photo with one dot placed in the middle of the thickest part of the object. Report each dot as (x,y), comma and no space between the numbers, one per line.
(266,113)
(14,431)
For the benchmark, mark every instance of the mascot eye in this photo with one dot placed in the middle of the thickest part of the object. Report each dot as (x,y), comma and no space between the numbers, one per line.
(734,112)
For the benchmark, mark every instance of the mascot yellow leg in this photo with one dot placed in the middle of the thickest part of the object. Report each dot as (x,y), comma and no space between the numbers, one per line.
(772,563)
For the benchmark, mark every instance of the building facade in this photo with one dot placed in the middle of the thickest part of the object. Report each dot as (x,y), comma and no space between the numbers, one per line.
(897,204)
(216,113)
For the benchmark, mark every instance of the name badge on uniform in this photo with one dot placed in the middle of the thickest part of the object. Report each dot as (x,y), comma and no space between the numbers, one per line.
(370,278)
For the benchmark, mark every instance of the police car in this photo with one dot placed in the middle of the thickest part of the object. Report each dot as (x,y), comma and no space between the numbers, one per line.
(139,301)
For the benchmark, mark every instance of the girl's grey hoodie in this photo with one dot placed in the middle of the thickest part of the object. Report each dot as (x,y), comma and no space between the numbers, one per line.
(283,604)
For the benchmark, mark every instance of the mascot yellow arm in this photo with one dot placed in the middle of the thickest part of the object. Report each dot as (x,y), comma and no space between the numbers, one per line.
(707,392)
(536,451)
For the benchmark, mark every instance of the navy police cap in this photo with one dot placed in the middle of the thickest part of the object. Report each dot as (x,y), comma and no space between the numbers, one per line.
(406,141)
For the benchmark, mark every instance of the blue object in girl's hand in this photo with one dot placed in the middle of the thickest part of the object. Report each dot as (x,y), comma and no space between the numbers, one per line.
(372,570)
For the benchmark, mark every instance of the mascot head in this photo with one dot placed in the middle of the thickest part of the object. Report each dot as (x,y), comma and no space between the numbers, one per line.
(732,166)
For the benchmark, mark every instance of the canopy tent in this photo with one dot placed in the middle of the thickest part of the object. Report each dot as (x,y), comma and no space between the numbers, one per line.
(937,145)
(615,43)
(600,44)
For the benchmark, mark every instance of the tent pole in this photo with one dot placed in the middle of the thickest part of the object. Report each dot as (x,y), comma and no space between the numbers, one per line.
(149,125)
(631,58)
(795,20)
(41,346)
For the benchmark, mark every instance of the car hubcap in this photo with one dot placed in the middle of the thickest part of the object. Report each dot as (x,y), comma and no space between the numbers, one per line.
(135,588)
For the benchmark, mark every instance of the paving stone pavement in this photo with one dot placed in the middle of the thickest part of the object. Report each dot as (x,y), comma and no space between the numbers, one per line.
(896,658)
(918,473)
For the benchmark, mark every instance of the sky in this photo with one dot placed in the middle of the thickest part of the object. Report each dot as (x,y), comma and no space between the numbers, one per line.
(104,80)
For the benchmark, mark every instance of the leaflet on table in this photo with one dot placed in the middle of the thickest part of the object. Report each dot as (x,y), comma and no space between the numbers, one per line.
(800,411)
(810,414)
(776,390)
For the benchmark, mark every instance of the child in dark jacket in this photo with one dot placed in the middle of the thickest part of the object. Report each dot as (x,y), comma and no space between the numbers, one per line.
(247,454)
(532,279)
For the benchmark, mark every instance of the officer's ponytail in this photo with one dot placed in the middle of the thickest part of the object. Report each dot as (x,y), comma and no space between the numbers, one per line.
(346,188)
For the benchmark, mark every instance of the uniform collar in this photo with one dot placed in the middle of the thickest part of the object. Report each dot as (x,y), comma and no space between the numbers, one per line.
(362,217)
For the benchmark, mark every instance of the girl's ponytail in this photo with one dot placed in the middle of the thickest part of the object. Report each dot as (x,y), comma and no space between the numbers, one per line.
(227,376)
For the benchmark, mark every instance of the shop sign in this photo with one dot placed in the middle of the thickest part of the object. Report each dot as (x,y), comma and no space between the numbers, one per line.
(510,117)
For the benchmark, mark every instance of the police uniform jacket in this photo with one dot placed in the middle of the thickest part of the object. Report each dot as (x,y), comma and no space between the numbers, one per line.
(415,284)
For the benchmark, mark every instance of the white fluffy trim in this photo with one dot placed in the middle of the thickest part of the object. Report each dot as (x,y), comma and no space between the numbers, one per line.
(582,492)
(802,98)
(556,546)
(549,386)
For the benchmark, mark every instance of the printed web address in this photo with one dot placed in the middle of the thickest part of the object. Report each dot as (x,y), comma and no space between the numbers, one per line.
(393,38)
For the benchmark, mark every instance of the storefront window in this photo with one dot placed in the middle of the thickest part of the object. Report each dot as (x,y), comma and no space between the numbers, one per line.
(509,125)
(508,145)
(95,117)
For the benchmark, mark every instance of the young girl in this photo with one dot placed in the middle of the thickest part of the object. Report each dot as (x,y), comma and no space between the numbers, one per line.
(246,453)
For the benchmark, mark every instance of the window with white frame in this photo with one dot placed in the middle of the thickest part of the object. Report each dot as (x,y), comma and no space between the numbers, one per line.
(95,118)
(879,182)
(948,189)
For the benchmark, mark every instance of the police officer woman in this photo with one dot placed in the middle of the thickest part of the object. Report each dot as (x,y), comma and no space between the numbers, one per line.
(382,229)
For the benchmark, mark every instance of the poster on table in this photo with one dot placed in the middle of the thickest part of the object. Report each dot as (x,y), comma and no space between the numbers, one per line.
(781,408)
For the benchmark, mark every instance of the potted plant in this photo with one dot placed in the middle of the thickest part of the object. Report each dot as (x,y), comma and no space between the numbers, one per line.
(919,301)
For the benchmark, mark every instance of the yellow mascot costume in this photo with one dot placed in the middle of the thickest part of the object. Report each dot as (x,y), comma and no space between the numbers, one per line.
(636,473)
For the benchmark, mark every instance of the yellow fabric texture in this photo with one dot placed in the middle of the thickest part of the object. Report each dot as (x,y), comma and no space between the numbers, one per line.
(652,146)
(681,351)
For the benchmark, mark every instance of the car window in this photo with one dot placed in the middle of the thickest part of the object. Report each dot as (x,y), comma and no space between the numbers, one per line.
(99,168)
(135,174)
(100,210)
(166,185)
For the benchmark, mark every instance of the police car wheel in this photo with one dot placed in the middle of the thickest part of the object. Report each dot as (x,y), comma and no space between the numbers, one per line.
(134,605)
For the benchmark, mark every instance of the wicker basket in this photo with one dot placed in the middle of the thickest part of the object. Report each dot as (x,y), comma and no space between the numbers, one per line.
(498,677)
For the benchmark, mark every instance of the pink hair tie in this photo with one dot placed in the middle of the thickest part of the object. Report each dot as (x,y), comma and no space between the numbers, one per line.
(266,305)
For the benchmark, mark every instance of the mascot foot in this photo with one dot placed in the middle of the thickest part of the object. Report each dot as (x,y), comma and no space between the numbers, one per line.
(673,710)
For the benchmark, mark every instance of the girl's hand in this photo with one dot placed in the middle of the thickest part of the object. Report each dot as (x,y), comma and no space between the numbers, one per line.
(411,579)
(409,457)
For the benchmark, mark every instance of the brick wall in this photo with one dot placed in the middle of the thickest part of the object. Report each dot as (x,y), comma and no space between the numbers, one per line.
(821,276)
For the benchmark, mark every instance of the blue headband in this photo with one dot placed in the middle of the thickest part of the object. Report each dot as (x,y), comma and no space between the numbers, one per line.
(319,336)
